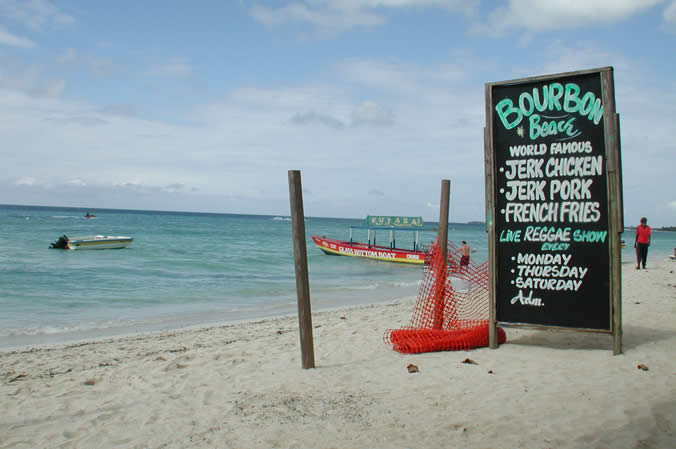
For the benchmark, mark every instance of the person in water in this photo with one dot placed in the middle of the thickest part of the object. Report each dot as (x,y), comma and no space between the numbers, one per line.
(642,243)
(464,251)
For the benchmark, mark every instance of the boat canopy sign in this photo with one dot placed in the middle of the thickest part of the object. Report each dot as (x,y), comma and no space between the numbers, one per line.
(395,222)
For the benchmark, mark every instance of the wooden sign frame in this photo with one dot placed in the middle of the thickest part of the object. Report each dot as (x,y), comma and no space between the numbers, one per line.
(554,208)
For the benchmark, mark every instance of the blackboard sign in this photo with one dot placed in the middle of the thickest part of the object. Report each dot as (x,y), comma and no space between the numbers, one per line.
(550,199)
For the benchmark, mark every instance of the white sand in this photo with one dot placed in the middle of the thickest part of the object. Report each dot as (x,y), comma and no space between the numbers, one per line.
(242,386)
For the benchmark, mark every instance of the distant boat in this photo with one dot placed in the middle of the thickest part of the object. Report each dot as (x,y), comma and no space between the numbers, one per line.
(88,215)
(92,242)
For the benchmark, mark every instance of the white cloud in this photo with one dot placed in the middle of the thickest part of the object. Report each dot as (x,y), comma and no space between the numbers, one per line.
(34,14)
(175,67)
(50,88)
(536,16)
(334,16)
(403,78)
(69,55)
(93,63)
(371,113)
(122,110)
(583,55)
(82,120)
(324,20)
(17,80)
(314,117)
(378,74)
(670,13)
(12,40)
(236,158)
(77,182)
(672,205)
(302,104)
(173,188)
(99,66)
(357,4)
(25,181)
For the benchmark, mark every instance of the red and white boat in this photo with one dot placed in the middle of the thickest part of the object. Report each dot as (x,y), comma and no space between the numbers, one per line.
(370,250)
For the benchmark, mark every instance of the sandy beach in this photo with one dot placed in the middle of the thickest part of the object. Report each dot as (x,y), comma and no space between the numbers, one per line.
(242,386)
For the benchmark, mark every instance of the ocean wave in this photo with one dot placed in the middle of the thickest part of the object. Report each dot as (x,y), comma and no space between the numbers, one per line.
(374,286)
(459,284)
(408,284)
(382,284)
(286,219)
(62,329)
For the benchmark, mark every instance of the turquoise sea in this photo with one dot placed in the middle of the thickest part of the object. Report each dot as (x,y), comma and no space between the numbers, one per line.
(188,269)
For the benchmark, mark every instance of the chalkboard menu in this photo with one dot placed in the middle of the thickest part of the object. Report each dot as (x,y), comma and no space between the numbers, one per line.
(550,202)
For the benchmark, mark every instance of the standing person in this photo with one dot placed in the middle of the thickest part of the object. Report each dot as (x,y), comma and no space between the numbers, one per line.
(464,251)
(642,243)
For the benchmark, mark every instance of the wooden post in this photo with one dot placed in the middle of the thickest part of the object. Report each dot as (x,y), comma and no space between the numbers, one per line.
(302,282)
(442,237)
(615,269)
(443,218)
(490,222)
(615,214)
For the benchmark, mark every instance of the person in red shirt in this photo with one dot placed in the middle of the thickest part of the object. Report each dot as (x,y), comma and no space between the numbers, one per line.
(642,243)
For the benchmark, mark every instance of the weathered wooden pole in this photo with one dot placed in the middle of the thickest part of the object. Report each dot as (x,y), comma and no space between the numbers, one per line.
(302,281)
(442,237)
(611,123)
(490,228)
(443,218)
(490,222)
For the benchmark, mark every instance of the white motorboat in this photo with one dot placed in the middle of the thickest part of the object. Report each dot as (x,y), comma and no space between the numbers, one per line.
(92,242)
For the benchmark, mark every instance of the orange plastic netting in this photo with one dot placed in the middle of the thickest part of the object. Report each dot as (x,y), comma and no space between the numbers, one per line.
(451,313)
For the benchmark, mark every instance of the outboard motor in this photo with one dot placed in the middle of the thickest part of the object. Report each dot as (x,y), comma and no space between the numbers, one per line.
(61,243)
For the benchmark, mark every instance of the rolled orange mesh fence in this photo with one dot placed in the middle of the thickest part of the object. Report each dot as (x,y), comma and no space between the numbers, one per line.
(451,313)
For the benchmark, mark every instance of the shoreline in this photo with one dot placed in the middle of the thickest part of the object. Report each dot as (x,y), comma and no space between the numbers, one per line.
(9,343)
(241,385)
(64,340)
(204,318)
(284,321)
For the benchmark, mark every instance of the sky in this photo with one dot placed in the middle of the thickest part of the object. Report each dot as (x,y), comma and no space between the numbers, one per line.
(204,106)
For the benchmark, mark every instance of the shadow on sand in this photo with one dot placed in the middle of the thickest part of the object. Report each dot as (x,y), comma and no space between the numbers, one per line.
(633,337)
